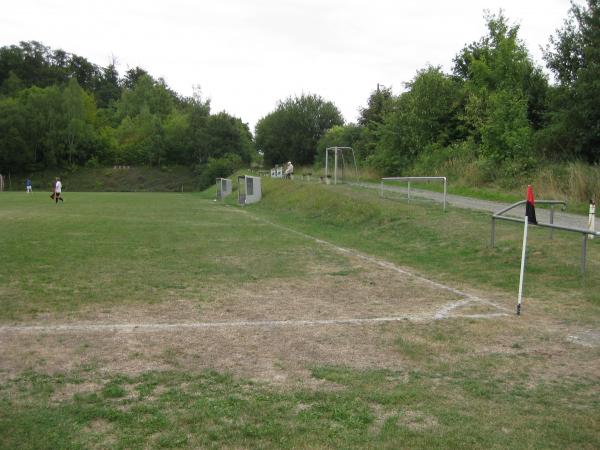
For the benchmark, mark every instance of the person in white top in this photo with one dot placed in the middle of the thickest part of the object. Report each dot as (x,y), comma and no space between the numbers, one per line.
(56,195)
(289,170)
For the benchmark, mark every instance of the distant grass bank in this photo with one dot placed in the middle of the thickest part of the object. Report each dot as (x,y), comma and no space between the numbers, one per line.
(112,179)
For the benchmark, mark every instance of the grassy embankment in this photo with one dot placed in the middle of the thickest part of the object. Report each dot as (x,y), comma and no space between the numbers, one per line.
(458,383)
(452,246)
(574,182)
(112,179)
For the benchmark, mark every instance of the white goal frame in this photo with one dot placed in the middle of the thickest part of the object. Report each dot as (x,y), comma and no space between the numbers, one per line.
(249,190)
(338,153)
(224,188)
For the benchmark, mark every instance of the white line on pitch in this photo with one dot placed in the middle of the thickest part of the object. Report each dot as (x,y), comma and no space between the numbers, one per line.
(379,262)
(145,327)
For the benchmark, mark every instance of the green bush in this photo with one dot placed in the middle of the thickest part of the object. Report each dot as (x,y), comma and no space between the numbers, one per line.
(218,168)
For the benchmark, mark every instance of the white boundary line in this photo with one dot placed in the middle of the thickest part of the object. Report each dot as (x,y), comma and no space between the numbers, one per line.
(153,327)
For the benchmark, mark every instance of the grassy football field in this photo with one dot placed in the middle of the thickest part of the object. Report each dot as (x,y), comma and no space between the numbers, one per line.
(322,317)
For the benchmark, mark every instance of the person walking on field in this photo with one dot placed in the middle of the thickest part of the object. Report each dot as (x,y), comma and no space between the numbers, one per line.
(56,195)
(28,185)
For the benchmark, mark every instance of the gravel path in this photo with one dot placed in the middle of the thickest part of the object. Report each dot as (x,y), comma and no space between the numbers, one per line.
(543,215)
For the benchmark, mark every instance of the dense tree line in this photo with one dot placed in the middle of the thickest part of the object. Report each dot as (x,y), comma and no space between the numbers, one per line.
(293,130)
(496,109)
(58,109)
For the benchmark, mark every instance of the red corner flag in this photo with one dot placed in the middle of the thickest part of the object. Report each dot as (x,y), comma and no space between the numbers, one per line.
(530,207)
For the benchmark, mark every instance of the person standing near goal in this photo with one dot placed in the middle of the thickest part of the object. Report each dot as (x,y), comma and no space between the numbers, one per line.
(289,170)
(28,185)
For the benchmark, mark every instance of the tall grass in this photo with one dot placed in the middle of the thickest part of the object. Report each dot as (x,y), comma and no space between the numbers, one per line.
(572,181)
(584,181)
(575,182)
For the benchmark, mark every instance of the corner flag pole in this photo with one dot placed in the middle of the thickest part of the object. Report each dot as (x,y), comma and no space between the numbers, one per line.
(529,218)
(522,276)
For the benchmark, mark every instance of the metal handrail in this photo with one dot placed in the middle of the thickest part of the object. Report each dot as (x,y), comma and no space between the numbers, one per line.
(522,202)
(583,231)
(409,179)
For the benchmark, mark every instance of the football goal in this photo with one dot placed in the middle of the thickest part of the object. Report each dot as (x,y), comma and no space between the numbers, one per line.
(224,188)
(249,190)
(344,164)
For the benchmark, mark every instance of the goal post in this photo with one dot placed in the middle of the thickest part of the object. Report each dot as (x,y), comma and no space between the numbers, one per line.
(344,163)
(224,188)
(249,190)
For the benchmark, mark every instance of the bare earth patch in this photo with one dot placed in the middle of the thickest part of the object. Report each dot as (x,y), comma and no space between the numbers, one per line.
(277,331)
(586,338)
(68,390)
(277,353)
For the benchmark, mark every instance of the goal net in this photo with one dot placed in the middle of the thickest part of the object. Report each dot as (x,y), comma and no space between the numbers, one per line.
(340,165)
(249,190)
(224,187)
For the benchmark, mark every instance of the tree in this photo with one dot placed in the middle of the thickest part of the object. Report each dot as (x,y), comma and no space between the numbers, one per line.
(11,85)
(146,94)
(132,76)
(79,113)
(226,134)
(379,105)
(83,71)
(38,65)
(107,88)
(339,136)
(425,114)
(293,130)
(140,139)
(14,151)
(41,108)
(48,116)
(505,96)
(574,57)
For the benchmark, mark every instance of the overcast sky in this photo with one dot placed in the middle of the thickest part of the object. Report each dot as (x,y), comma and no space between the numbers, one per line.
(246,55)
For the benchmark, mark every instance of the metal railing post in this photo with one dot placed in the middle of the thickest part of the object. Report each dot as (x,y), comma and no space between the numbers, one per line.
(584,253)
(552,221)
(445,191)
